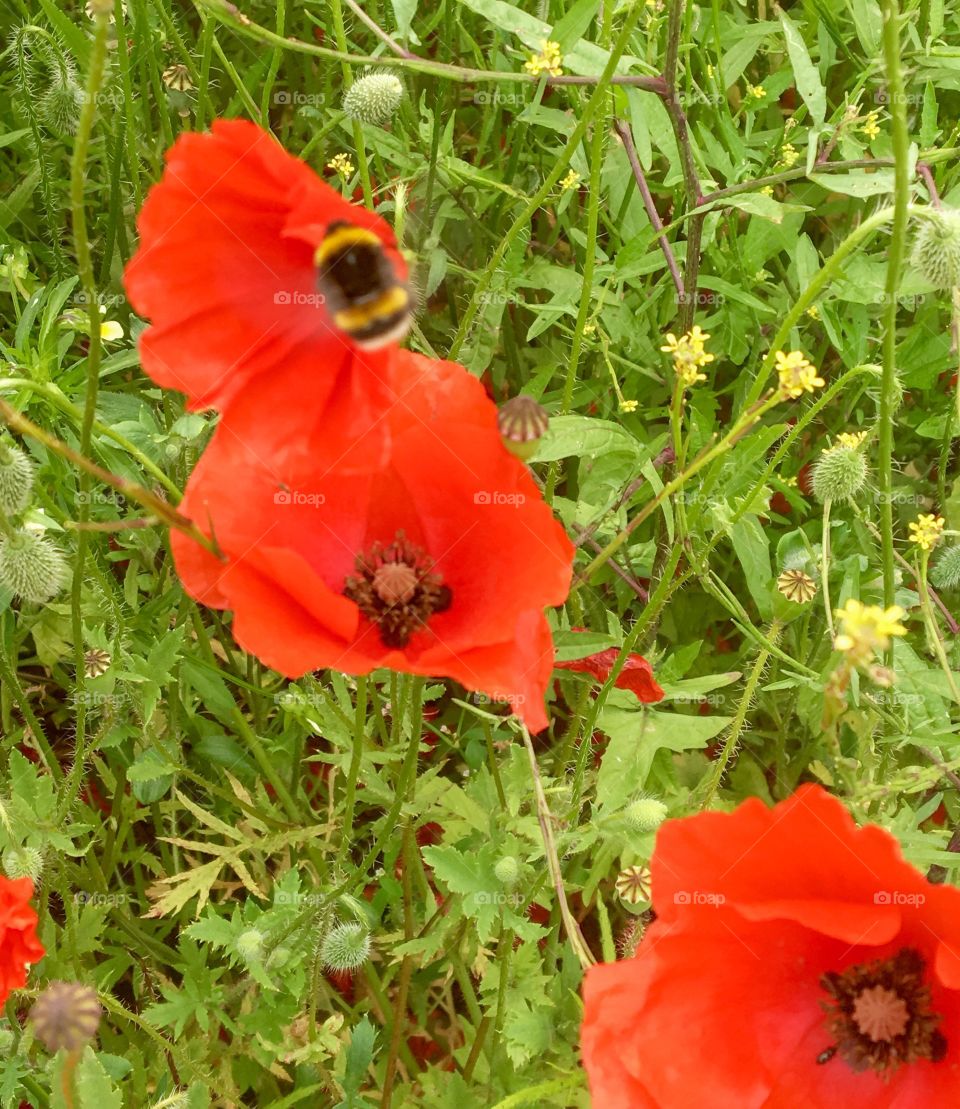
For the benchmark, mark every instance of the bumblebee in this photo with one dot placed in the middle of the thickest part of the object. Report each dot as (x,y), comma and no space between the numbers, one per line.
(363,294)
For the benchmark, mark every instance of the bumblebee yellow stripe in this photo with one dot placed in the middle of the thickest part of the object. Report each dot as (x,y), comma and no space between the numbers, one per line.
(359,316)
(342,238)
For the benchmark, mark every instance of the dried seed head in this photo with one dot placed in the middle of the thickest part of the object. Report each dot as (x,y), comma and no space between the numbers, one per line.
(522,423)
(66,1015)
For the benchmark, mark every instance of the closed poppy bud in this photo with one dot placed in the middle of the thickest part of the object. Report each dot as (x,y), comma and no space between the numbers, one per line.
(839,475)
(16,479)
(31,567)
(646,814)
(345,947)
(522,423)
(946,573)
(507,871)
(936,249)
(374,98)
(23,862)
(250,944)
(66,1015)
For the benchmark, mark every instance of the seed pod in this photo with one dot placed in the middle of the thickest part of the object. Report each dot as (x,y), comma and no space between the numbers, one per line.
(522,423)
(946,573)
(646,814)
(66,1015)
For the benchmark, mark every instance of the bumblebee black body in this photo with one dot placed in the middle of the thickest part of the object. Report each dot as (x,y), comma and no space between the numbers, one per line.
(364,297)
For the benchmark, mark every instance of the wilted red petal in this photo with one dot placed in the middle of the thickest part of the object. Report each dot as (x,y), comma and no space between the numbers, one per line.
(636,674)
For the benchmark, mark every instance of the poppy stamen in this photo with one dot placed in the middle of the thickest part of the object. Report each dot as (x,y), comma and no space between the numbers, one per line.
(396,587)
(880,1015)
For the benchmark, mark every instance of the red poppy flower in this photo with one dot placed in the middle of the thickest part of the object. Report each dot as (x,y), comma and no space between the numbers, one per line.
(636,675)
(226,270)
(796,961)
(439,562)
(19,945)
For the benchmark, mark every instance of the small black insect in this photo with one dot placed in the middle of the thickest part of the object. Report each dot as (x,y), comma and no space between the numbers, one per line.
(827,1054)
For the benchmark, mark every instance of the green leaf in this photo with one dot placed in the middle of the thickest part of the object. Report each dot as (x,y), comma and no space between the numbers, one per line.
(805,72)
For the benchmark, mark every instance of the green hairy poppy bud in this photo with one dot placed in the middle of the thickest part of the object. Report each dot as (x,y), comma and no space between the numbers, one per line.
(374,98)
(936,248)
(23,862)
(66,1015)
(646,814)
(946,573)
(250,944)
(839,475)
(345,947)
(16,479)
(31,567)
(507,871)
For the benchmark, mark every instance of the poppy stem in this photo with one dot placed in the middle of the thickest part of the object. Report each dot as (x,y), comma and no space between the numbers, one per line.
(156,505)
(575,936)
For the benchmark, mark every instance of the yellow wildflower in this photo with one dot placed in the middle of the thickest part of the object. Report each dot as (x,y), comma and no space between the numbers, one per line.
(867,629)
(628,405)
(788,155)
(756,92)
(688,354)
(570,181)
(340,163)
(549,60)
(926,530)
(797,375)
(870,127)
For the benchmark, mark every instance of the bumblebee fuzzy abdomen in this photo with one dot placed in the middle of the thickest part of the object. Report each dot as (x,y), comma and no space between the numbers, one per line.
(364,297)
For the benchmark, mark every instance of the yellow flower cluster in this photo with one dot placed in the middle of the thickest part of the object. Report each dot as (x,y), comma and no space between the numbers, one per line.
(788,155)
(549,60)
(867,629)
(870,127)
(340,163)
(926,530)
(570,181)
(756,92)
(689,354)
(797,375)
(850,439)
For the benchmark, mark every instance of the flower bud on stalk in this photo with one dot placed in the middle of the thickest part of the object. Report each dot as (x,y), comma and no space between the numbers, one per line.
(16,479)
(345,947)
(936,248)
(839,475)
(946,573)
(374,98)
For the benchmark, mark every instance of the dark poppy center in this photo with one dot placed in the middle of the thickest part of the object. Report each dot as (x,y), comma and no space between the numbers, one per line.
(880,1015)
(396,587)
